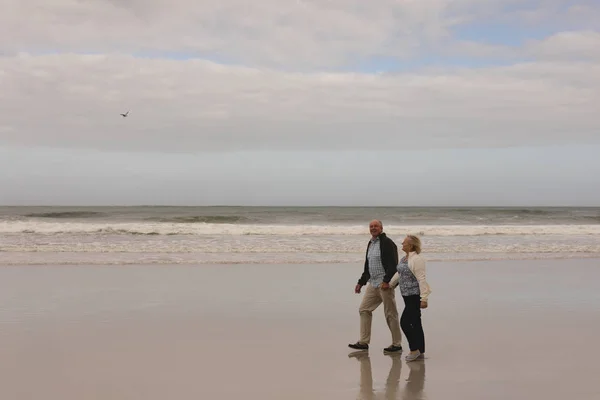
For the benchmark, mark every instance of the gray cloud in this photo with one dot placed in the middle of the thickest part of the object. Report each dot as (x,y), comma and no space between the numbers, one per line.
(274,83)
(570,45)
(559,175)
(290,34)
(567,46)
(298,33)
(192,105)
(237,102)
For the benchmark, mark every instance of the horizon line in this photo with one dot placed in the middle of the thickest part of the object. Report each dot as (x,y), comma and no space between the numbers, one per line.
(304,206)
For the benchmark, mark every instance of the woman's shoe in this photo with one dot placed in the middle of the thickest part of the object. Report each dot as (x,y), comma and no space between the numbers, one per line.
(412,356)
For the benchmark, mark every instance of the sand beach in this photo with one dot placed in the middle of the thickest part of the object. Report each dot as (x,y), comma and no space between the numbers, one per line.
(494,330)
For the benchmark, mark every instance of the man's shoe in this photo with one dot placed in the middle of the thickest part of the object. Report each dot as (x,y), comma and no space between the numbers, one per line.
(359,346)
(393,349)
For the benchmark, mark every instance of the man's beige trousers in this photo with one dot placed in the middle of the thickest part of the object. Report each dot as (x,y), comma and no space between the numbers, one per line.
(373,297)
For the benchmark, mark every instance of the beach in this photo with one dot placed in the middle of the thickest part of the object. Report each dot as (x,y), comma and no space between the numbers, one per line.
(523,329)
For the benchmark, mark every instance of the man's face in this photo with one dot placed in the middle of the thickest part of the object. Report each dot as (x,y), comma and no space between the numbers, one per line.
(375,228)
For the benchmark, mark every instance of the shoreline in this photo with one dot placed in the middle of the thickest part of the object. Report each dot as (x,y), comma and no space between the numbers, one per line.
(534,258)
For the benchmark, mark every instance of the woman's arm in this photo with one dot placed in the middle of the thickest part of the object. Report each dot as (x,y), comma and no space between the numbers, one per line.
(418,270)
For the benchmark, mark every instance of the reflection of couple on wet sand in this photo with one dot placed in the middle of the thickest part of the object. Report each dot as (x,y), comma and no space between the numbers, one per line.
(412,390)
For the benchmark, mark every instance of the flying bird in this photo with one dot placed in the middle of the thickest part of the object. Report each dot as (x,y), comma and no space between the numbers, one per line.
(125,115)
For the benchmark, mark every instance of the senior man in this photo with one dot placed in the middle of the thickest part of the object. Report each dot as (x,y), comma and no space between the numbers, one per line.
(380,267)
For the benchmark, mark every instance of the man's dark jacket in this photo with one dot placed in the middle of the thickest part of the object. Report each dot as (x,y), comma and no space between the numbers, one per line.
(389,259)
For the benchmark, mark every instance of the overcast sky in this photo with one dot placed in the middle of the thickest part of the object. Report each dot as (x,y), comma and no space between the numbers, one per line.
(302,102)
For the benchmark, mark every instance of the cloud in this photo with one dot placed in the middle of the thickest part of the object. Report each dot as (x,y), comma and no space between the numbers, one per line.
(582,45)
(290,33)
(70,100)
(224,75)
(531,15)
(567,46)
(509,31)
(479,50)
(552,176)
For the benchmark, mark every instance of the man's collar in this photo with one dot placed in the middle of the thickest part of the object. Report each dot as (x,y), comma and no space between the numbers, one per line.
(382,234)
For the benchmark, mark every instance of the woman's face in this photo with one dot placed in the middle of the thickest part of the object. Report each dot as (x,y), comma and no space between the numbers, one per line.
(406,245)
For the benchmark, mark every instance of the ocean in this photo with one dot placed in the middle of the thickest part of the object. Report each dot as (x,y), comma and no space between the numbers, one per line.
(287,235)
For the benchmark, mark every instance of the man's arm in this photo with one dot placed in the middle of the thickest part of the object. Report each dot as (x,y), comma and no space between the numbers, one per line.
(364,278)
(389,259)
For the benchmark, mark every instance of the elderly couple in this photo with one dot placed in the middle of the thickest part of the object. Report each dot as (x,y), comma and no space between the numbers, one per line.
(381,266)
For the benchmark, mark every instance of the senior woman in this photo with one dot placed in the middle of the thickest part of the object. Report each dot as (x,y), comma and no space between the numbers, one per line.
(415,291)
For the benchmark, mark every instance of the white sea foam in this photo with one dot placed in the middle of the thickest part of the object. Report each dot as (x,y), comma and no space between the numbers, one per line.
(98,248)
(143,228)
(205,235)
(33,242)
(83,259)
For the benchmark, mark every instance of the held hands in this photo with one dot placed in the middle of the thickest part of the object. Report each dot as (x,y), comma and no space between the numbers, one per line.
(423,304)
(384,286)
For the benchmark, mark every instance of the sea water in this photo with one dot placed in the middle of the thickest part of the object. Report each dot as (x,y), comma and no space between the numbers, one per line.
(200,235)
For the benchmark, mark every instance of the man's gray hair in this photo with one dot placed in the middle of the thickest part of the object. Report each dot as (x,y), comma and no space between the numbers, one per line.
(378,221)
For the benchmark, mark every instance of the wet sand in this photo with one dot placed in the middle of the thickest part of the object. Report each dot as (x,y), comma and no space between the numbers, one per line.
(494,330)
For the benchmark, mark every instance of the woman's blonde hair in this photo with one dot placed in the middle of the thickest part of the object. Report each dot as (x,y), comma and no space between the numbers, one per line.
(415,242)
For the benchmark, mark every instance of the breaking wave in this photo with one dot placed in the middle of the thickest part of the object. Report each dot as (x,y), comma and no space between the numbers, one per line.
(66,214)
(202,228)
(209,219)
